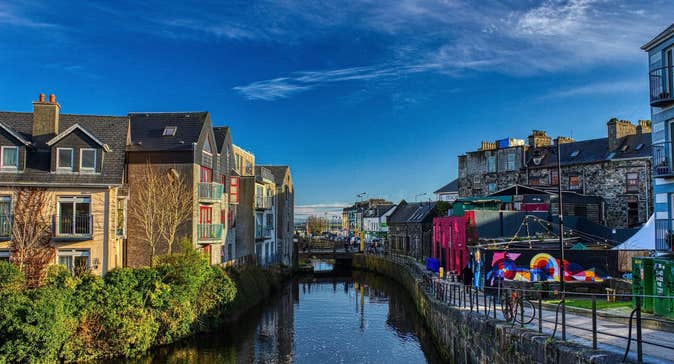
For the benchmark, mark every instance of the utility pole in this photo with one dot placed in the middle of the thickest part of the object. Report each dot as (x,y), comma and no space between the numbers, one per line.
(561,236)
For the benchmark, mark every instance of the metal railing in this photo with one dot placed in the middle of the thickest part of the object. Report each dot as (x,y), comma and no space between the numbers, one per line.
(527,308)
(211,191)
(662,159)
(240,261)
(663,234)
(263,203)
(73,226)
(661,85)
(209,232)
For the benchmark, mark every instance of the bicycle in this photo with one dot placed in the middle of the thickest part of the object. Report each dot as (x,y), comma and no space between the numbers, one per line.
(518,309)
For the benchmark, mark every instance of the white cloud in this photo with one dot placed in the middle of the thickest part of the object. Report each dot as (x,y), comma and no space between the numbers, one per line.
(601,88)
(331,209)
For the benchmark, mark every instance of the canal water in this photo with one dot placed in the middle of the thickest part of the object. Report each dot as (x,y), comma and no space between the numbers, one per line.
(363,318)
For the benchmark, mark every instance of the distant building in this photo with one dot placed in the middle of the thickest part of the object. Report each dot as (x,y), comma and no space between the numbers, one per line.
(661,76)
(352,216)
(616,168)
(374,221)
(411,228)
(448,192)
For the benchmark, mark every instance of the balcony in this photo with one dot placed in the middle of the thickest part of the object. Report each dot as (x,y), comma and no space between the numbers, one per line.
(263,203)
(210,191)
(207,233)
(661,86)
(73,227)
(664,236)
(662,160)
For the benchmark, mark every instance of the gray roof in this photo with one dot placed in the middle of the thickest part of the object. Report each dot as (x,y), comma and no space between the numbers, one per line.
(590,151)
(378,211)
(414,212)
(450,187)
(658,38)
(279,172)
(110,130)
(220,134)
(263,172)
(147,129)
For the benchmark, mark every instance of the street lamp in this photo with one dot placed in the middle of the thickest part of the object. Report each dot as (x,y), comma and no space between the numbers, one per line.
(361,195)
(561,235)
(421,194)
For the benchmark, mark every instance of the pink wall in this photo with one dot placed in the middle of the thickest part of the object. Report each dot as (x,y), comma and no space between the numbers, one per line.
(449,241)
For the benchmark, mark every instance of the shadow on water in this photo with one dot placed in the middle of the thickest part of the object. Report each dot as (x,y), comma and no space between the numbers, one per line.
(354,318)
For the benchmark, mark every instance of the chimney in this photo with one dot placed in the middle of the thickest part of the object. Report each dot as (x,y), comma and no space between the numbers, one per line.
(487,145)
(45,118)
(644,127)
(539,138)
(564,140)
(618,129)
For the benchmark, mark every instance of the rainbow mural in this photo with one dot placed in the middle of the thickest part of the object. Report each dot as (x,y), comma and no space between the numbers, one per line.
(541,268)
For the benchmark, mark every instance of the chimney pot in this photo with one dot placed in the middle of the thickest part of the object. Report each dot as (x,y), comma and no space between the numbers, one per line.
(52,99)
(41,98)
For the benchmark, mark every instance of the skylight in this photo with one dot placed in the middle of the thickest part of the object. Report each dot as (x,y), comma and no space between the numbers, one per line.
(625,147)
(610,155)
(170,131)
(639,146)
(575,153)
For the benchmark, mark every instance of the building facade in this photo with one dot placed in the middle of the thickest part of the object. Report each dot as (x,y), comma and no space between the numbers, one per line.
(182,144)
(411,229)
(661,80)
(375,224)
(265,216)
(285,212)
(77,163)
(616,168)
(244,220)
(448,192)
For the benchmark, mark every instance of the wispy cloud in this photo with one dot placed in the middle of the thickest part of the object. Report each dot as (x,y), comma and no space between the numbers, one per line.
(600,88)
(329,209)
(12,17)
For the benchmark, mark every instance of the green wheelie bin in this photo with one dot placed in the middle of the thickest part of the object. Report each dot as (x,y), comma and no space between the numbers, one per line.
(642,282)
(663,281)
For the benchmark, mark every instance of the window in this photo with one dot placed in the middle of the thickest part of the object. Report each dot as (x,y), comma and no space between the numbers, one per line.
(74,216)
(610,155)
(121,217)
(74,260)
(5,216)
(574,182)
(87,159)
(269,223)
(207,147)
(234,190)
(249,168)
(170,131)
(632,182)
(64,158)
(491,164)
(554,178)
(575,153)
(510,163)
(206,175)
(639,147)
(491,187)
(10,157)
(4,255)
(258,225)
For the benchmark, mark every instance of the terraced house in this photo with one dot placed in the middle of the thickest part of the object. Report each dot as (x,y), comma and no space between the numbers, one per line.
(79,162)
(183,144)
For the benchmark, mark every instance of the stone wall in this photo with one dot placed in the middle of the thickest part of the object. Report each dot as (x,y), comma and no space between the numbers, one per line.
(465,337)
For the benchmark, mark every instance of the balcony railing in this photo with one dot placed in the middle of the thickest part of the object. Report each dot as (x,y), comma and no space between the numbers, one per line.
(664,236)
(209,232)
(662,159)
(263,203)
(73,226)
(210,191)
(661,86)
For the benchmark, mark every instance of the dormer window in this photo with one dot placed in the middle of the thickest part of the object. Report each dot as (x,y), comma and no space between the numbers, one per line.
(64,158)
(170,131)
(87,160)
(10,157)
(574,154)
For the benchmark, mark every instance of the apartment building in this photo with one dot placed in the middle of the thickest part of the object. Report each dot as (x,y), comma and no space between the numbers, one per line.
(182,144)
(244,220)
(77,161)
(223,140)
(285,212)
(265,216)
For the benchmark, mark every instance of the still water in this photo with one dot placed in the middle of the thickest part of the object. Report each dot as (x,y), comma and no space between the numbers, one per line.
(363,318)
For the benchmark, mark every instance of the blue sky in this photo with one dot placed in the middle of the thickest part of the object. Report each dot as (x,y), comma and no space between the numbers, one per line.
(357,96)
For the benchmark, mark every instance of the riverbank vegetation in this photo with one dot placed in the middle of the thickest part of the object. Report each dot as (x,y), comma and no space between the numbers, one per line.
(85,317)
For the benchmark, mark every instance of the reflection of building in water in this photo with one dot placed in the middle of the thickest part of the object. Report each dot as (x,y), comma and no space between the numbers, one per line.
(285,331)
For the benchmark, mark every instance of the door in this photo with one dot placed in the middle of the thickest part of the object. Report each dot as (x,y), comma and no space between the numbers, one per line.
(205,221)
(668,71)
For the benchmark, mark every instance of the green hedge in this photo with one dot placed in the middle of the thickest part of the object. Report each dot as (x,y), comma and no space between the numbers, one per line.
(125,313)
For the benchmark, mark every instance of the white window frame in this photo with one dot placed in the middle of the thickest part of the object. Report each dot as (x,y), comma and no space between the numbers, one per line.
(169,131)
(58,159)
(2,157)
(74,200)
(88,169)
(72,253)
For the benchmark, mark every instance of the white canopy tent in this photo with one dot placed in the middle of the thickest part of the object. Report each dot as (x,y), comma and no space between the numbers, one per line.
(644,239)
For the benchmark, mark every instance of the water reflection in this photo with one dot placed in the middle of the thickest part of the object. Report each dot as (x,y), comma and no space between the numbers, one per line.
(356,319)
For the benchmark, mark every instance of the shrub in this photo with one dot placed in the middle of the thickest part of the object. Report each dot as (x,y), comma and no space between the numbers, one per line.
(11,277)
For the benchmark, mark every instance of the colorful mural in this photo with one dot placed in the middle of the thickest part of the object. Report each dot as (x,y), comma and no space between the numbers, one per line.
(539,268)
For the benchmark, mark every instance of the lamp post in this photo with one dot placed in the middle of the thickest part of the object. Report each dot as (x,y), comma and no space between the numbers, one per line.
(561,236)
(418,195)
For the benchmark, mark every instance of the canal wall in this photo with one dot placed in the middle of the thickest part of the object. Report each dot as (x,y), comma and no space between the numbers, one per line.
(466,337)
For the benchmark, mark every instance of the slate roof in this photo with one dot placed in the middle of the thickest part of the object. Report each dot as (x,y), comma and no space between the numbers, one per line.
(220,134)
(590,151)
(147,129)
(263,172)
(413,212)
(378,211)
(279,172)
(450,187)
(111,130)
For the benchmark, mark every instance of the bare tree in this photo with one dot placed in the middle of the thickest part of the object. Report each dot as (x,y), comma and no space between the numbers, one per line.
(144,207)
(176,207)
(32,234)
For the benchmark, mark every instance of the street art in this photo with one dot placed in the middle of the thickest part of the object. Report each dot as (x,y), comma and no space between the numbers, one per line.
(540,268)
